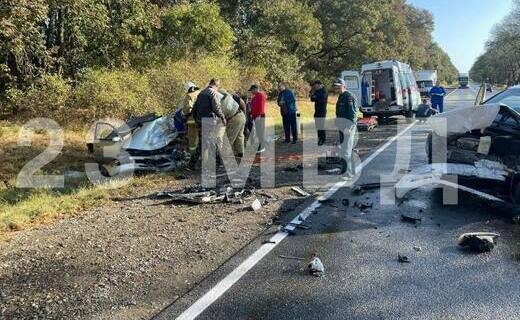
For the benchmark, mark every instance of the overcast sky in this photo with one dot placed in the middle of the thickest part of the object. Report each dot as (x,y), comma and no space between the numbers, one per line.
(462,27)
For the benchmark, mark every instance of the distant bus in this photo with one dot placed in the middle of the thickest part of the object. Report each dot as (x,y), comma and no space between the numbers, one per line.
(463,80)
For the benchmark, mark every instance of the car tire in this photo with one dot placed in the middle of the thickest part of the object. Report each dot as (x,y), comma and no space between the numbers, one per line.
(409,114)
(103,170)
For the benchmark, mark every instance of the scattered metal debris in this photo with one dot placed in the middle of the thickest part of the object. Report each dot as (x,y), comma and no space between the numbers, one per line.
(301,225)
(268,242)
(292,258)
(287,230)
(479,241)
(410,219)
(316,267)
(363,188)
(300,191)
(201,195)
(328,201)
(403,259)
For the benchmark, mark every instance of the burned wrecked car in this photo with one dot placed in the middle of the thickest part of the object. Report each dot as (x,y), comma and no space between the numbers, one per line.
(143,144)
(480,145)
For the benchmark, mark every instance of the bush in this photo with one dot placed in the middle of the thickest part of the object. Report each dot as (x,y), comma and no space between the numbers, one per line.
(119,94)
(122,94)
(48,97)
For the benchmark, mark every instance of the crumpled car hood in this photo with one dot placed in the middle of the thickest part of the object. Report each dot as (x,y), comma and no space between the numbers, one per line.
(463,120)
(153,135)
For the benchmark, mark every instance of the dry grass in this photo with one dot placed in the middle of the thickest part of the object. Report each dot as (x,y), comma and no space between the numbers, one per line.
(19,208)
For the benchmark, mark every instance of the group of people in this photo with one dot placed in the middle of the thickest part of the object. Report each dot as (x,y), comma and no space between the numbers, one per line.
(235,118)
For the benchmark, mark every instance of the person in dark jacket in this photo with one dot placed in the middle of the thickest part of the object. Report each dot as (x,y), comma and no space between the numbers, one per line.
(346,116)
(207,106)
(319,96)
(288,109)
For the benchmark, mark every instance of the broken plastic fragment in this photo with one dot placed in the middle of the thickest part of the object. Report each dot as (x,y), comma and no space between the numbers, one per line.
(402,259)
(256,205)
(479,241)
(316,267)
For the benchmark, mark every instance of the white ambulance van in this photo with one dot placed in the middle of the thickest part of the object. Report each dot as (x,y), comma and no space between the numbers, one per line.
(388,88)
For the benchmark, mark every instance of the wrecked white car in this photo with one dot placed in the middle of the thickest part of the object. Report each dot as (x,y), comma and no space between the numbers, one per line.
(480,145)
(144,144)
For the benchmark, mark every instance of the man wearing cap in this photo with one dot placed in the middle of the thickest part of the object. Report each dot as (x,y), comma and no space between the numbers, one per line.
(346,117)
(186,107)
(319,96)
(258,114)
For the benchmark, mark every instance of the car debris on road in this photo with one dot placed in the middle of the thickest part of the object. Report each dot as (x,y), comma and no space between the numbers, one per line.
(479,241)
(410,219)
(201,195)
(291,258)
(300,191)
(256,205)
(403,259)
(316,267)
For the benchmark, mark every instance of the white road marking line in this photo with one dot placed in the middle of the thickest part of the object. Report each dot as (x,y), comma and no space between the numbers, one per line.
(225,284)
(451,92)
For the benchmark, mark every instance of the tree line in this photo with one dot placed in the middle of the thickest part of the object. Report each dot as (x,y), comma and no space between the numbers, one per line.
(62,53)
(500,62)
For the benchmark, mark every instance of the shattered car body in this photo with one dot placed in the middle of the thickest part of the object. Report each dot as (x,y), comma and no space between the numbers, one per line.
(480,145)
(142,144)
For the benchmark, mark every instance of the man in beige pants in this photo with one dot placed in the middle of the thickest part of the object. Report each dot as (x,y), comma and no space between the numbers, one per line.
(235,127)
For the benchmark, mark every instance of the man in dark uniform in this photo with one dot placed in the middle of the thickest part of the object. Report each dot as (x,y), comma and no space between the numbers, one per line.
(319,96)
(207,106)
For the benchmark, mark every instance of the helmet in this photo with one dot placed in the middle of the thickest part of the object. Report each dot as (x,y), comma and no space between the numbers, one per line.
(190,87)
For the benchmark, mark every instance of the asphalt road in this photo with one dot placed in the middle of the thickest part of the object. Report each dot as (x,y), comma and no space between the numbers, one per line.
(363,278)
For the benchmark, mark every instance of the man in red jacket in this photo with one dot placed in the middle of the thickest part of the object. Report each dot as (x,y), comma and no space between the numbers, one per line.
(258,114)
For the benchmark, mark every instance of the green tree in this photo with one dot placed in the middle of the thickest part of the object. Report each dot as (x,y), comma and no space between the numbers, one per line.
(192,30)
(23,55)
(276,36)
(501,60)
